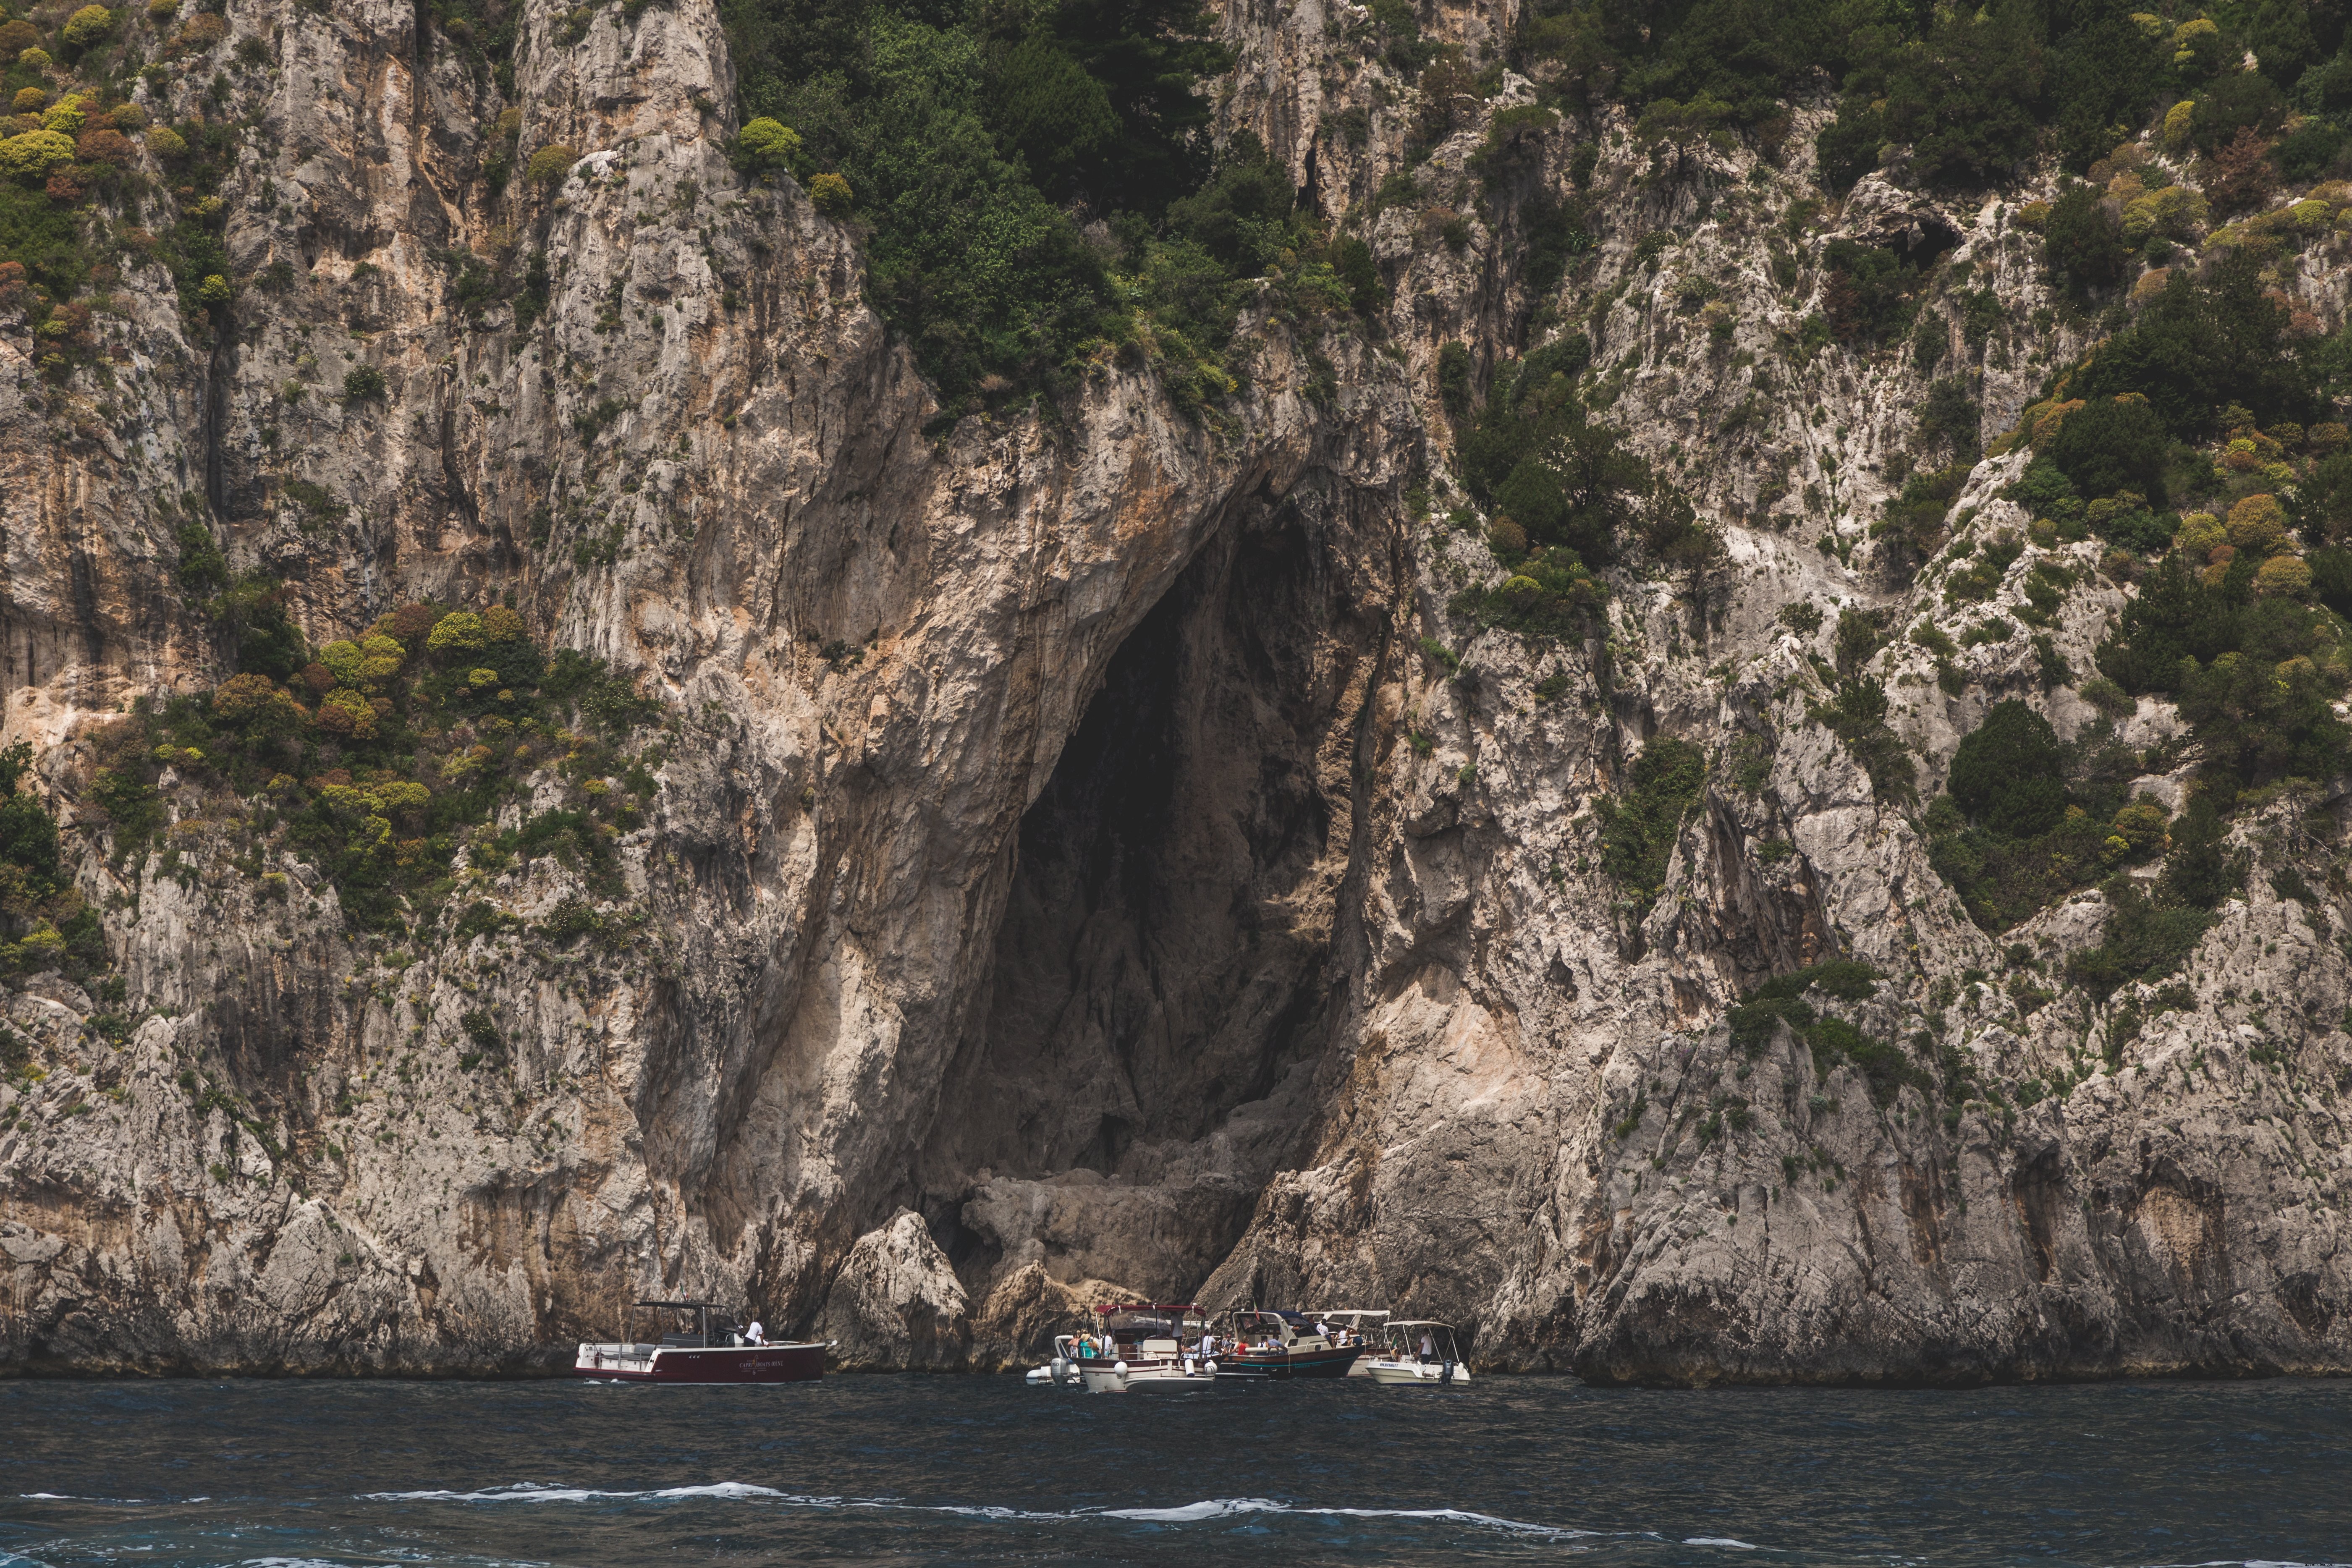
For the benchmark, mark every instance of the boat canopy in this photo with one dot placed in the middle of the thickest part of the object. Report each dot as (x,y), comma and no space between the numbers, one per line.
(685,1306)
(1149,1307)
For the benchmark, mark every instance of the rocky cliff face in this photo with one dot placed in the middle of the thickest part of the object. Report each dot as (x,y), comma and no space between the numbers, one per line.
(1087,856)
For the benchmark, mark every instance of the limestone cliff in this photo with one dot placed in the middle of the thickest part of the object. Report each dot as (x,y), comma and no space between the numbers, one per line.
(1098,852)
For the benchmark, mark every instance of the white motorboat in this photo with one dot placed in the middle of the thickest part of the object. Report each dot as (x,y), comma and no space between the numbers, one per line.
(1133,1345)
(1353,1326)
(1417,1351)
(1188,1375)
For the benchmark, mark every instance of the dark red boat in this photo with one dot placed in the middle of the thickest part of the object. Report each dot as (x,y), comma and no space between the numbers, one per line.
(696,1341)
(1263,1343)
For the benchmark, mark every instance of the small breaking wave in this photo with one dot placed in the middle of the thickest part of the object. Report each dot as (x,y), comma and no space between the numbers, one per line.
(1226,1508)
(535,1492)
(1185,1513)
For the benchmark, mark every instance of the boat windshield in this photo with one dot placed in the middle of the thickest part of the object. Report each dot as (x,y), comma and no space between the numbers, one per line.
(1255,1327)
(1419,1340)
(1137,1328)
(687,1325)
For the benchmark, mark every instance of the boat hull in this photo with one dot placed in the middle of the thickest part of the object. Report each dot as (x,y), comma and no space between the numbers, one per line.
(1147,1380)
(1405,1373)
(716,1365)
(1332,1363)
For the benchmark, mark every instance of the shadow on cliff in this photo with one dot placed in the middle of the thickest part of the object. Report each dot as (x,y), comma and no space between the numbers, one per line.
(1163,977)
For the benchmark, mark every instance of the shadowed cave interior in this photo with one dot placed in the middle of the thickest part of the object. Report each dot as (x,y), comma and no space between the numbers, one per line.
(1163,958)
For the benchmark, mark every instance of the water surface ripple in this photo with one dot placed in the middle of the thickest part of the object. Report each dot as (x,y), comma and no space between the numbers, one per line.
(971,1470)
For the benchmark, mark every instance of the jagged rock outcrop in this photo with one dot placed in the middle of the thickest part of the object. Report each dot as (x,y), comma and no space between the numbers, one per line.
(1070,871)
(897,1303)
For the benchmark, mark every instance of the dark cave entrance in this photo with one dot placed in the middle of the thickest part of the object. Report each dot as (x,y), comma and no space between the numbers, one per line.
(1165,953)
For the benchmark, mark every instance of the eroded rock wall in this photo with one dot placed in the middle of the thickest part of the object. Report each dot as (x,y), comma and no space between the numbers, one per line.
(1143,908)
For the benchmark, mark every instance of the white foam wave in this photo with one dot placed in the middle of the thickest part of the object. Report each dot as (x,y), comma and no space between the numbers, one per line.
(1722,1541)
(1186,1513)
(533,1492)
(1227,1508)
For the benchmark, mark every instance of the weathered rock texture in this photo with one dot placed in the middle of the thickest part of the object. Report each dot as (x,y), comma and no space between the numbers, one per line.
(1144,912)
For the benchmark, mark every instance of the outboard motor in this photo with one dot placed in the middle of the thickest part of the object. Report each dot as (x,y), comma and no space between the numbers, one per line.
(1061,1369)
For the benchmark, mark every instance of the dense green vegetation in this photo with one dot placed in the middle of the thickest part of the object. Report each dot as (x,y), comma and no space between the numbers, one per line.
(2024,820)
(44,921)
(1784,1000)
(377,758)
(78,206)
(2256,677)
(1638,831)
(1563,481)
(1972,92)
(1036,183)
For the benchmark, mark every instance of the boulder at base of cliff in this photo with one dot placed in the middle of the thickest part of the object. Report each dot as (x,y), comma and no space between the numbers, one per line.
(896,1303)
(1015,1326)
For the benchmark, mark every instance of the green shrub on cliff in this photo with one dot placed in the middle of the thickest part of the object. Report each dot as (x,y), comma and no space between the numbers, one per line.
(1638,828)
(966,142)
(44,923)
(382,757)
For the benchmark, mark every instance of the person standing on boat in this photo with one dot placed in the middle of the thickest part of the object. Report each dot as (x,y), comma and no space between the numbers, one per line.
(1428,1347)
(755,1334)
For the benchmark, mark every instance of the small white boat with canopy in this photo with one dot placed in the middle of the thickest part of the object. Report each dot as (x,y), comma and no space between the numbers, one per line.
(1417,1351)
(1354,1326)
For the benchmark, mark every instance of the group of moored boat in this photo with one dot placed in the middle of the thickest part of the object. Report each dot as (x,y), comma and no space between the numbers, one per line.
(1133,1345)
(1174,1346)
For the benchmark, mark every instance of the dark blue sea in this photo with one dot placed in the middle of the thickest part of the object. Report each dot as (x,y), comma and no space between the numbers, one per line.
(982,1469)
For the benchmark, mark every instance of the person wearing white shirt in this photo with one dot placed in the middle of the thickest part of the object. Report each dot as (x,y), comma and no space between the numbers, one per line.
(755,1334)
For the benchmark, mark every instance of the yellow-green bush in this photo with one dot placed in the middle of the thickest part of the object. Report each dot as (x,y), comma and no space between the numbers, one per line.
(830,194)
(2200,531)
(549,165)
(2180,122)
(35,154)
(2258,523)
(768,144)
(2287,575)
(461,632)
(88,25)
(2176,212)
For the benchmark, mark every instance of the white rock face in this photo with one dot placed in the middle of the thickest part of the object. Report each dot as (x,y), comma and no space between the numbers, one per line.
(897,1303)
(1145,911)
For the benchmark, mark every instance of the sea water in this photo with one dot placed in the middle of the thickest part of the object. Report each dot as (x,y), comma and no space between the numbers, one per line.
(985,1469)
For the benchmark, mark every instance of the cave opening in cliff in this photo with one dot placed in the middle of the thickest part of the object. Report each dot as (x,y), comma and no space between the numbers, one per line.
(1163,960)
